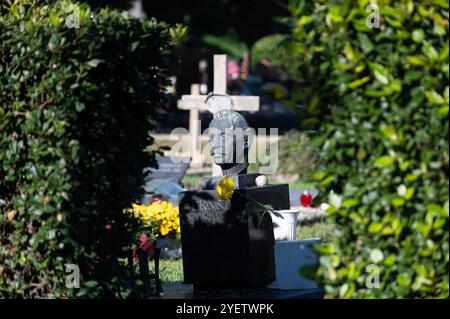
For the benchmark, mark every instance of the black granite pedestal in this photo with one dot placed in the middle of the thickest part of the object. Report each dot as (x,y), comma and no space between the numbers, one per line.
(230,243)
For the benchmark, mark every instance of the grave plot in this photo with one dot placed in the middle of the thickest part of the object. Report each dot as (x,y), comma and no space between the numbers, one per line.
(228,243)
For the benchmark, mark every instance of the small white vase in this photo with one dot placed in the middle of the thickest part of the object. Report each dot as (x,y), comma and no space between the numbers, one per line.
(285,224)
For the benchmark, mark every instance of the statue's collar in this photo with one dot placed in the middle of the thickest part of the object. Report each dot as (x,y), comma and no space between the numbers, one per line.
(240,168)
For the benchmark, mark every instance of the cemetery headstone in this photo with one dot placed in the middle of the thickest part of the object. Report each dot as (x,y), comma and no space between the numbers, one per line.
(169,168)
(166,179)
(230,243)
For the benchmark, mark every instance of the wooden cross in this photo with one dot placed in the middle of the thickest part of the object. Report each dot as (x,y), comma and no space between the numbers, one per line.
(195,131)
(197,102)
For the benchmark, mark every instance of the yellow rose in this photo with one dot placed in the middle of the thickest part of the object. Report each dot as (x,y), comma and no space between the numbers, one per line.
(225,188)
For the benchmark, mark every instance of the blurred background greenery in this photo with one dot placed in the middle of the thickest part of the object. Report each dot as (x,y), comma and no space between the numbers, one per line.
(377,97)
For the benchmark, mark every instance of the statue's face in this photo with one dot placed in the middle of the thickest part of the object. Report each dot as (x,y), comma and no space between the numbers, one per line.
(228,138)
(222,146)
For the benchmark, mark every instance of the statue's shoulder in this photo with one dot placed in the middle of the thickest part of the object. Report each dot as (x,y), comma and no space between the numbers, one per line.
(241,181)
(210,183)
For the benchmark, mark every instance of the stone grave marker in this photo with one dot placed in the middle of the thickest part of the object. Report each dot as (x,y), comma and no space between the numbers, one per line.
(166,179)
(230,242)
(169,168)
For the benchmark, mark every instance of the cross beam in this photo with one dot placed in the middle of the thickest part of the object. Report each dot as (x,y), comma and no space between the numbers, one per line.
(196,103)
(240,103)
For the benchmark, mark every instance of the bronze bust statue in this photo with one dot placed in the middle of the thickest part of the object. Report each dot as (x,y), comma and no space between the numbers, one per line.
(230,138)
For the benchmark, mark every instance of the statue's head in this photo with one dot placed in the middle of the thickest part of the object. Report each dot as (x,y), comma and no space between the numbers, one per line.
(230,138)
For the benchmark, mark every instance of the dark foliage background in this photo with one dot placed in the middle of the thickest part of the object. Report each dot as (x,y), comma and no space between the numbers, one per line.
(250,19)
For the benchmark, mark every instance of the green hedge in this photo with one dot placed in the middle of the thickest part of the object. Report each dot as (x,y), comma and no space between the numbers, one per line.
(379,98)
(76,106)
(297,156)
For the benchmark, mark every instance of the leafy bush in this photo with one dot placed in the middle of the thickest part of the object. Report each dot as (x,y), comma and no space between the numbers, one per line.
(380,100)
(272,48)
(229,44)
(75,111)
(297,156)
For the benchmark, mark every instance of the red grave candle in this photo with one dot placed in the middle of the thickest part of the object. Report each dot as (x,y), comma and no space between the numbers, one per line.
(306,199)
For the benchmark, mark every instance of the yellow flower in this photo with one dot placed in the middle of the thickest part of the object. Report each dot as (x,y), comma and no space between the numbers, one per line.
(163,217)
(225,188)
